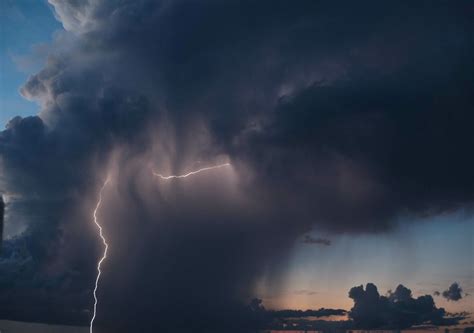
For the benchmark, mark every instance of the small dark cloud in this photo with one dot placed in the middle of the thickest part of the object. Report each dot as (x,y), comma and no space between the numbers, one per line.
(453,293)
(308,239)
(436,293)
(465,314)
(305,292)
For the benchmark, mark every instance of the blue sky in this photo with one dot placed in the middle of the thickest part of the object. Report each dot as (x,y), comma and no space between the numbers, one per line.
(27,26)
(425,257)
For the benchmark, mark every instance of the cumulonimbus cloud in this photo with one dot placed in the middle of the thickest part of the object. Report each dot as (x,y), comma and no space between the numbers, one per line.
(328,123)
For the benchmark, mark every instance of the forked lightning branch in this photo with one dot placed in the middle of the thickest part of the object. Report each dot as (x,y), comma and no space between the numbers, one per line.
(104,240)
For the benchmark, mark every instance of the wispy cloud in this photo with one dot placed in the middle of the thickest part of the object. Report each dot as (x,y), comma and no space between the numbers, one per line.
(308,239)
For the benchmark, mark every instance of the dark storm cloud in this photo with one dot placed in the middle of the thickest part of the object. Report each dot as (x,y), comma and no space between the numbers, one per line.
(379,146)
(340,116)
(453,293)
(398,310)
(2,217)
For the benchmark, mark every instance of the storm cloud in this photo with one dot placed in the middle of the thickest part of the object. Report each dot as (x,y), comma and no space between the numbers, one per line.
(341,117)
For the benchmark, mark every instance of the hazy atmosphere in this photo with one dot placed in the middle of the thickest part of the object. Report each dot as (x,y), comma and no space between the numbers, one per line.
(236,166)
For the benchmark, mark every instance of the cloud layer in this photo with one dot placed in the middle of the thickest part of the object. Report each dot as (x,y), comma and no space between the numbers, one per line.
(339,117)
(398,310)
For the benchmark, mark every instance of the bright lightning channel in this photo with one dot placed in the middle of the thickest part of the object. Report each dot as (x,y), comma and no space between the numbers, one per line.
(104,255)
(191,173)
(104,240)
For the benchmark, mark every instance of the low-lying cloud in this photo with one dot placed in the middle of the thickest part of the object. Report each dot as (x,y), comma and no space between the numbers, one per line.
(398,310)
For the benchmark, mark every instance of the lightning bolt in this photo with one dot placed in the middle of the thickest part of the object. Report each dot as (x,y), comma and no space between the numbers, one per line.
(104,255)
(104,240)
(191,173)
